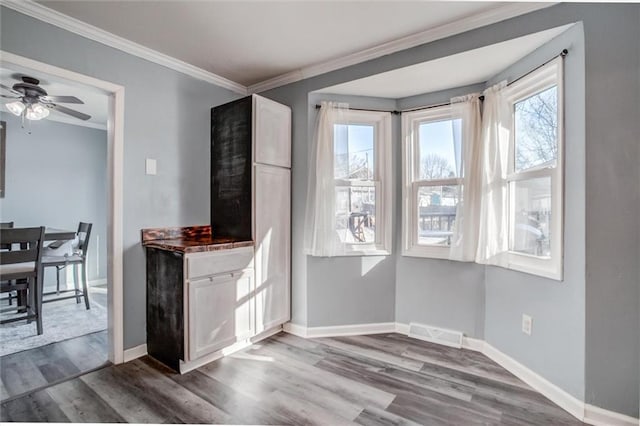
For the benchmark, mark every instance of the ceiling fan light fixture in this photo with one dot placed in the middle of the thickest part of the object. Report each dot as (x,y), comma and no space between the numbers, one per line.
(15,108)
(36,112)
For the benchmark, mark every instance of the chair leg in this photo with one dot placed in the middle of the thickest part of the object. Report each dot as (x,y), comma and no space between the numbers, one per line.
(85,287)
(76,281)
(37,302)
(57,280)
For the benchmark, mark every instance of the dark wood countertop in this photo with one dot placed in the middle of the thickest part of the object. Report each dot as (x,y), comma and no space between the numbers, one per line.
(191,239)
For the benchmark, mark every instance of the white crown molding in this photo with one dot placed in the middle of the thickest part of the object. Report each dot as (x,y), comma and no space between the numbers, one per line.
(45,14)
(459,26)
(50,16)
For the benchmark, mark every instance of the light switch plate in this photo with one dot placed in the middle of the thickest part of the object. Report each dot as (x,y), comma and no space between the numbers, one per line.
(150,166)
(527,324)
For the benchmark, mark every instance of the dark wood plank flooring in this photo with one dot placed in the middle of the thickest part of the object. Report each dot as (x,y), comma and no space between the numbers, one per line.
(26,371)
(385,379)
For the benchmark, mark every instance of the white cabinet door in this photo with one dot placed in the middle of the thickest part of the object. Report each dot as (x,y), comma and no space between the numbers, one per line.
(272,245)
(271,132)
(220,312)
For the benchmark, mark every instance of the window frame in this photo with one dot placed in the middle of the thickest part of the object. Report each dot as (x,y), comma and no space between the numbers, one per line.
(411,122)
(382,180)
(547,76)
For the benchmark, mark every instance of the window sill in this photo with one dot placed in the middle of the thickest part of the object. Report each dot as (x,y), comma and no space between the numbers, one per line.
(427,252)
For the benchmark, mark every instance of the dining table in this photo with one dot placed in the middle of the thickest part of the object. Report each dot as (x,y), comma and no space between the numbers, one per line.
(53,234)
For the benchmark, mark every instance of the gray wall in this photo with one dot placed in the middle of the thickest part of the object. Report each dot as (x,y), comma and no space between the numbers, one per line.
(568,338)
(352,289)
(57,176)
(438,292)
(556,348)
(612,37)
(167,117)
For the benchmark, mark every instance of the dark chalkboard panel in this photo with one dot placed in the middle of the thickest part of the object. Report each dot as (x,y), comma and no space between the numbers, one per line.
(165,316)
(231,169)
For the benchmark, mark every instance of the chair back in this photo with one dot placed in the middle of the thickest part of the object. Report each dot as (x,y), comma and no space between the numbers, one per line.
(84,232)
(5,225)
(30,241)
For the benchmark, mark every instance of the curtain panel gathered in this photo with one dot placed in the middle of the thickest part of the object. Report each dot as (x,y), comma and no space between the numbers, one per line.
(493,237)
(320,237)
(466,139)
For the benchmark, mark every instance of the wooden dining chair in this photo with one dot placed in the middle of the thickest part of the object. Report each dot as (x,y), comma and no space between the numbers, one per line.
(76,259)
(20,270)
(6,247)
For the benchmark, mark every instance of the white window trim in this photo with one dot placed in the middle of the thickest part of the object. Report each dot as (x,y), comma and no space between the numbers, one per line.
(410,165)
(383,181)
(547,76)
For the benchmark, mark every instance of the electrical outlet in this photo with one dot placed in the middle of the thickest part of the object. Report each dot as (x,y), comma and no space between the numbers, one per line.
(527,324)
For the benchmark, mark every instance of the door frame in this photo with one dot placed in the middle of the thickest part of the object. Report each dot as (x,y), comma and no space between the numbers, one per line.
(115,152)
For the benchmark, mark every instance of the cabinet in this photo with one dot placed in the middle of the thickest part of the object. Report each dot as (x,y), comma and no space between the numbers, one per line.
(198,303)
(251,178)
(272,246)
(220,312)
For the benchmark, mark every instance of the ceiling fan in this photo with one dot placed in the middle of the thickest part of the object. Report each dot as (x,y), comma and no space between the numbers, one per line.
(33,103)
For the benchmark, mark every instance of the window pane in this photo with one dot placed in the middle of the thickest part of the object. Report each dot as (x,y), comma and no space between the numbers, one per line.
(536,125)
(437,214)
(439,151)
(531,216)
(354,151)
(356,214)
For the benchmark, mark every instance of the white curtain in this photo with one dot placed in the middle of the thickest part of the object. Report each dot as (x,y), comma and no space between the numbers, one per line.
(466,136)
(493,237)
(321,238)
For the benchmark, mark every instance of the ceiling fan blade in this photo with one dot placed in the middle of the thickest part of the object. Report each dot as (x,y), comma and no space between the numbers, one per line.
(10,97)
(69,111)
(62,99)
(10,89)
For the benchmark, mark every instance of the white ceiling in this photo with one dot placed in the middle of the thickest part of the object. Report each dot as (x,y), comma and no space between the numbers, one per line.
(470,67)
(253,41)
(95,102)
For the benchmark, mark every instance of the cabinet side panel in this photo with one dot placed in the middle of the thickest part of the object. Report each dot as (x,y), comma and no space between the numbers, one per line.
(231,169)
(273,246)
(165,315)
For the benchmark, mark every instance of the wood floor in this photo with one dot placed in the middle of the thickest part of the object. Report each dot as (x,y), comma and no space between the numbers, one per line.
(32,369)
(369,380)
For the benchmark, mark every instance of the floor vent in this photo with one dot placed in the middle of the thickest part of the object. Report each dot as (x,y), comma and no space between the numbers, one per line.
(438,335)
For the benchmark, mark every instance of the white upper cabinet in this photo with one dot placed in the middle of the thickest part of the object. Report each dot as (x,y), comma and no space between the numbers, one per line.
(271,132)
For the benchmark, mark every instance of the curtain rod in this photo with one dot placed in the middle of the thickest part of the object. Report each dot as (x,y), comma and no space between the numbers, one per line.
(564,53)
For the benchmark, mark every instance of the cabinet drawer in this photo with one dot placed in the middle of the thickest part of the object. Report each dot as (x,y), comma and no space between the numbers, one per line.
(203,264)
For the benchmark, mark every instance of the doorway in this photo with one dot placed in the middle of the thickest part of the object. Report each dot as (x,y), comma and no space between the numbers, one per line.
(107,293)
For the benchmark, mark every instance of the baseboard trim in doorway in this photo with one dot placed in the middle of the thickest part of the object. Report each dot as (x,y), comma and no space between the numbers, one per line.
(584,412)
(135,352)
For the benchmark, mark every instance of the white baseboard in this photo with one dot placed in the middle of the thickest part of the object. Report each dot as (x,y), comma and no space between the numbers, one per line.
(584,412)
(295,329)
(101,281)
(340,330)
(568,402)
(600,417)
(135,352)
